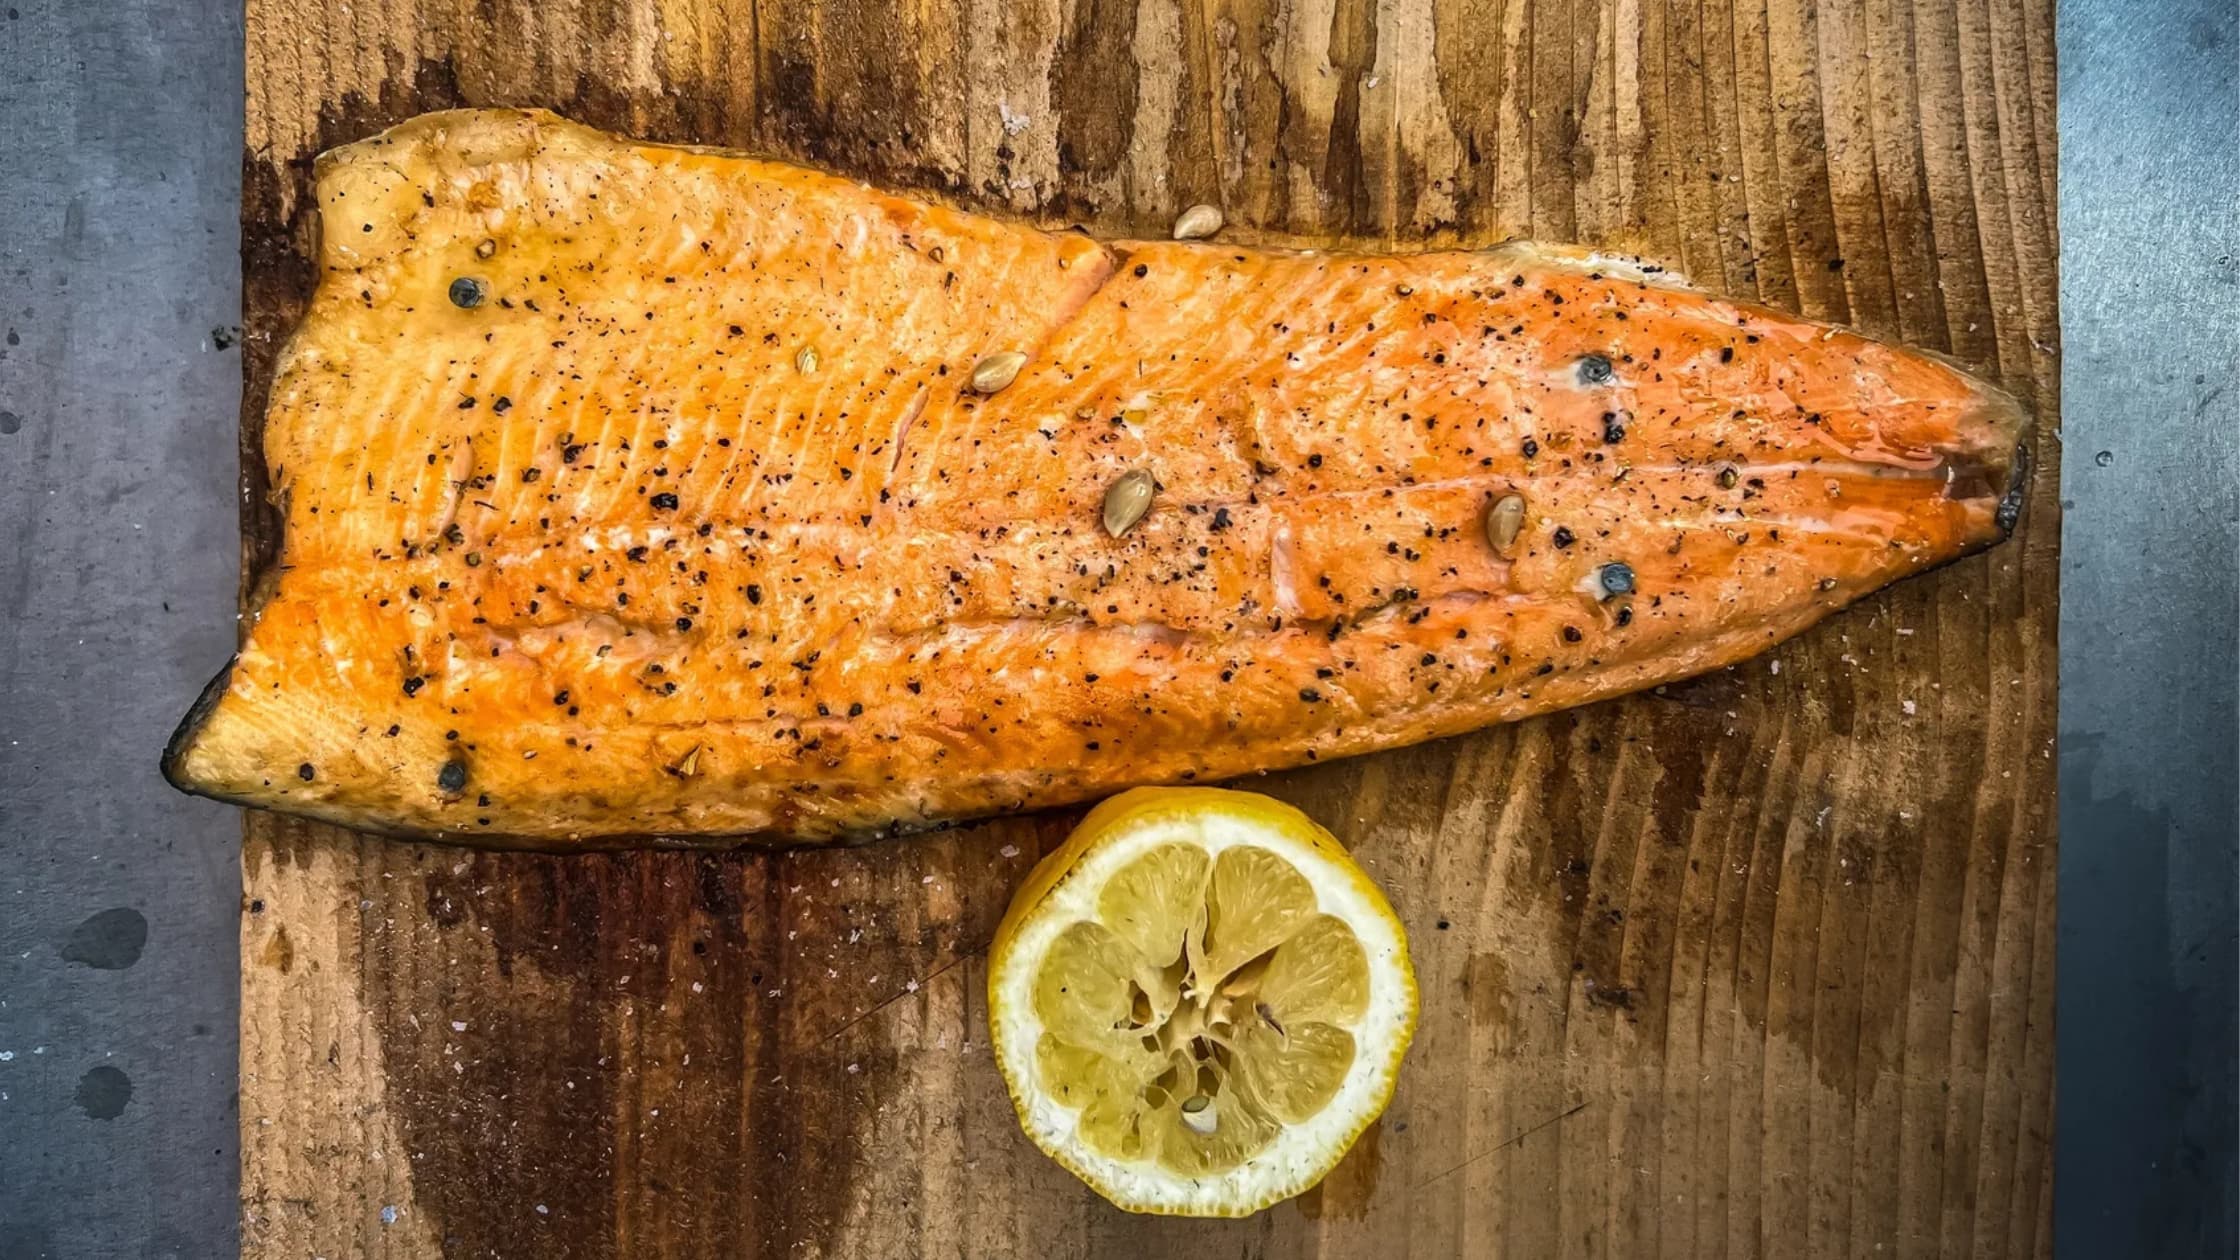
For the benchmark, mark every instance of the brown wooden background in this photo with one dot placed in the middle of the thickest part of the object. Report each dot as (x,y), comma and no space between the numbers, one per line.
(1757,967)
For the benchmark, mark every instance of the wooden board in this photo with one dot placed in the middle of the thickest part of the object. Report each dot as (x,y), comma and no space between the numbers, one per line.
(1759,966)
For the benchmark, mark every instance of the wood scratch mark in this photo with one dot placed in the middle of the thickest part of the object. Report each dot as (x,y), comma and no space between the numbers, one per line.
(905,991)
(1514,1139)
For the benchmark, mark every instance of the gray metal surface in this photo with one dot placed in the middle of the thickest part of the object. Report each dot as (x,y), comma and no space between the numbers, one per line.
(2150,315)
(121,123)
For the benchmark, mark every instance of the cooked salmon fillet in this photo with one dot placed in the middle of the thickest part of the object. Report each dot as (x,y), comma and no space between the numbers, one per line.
(644,492)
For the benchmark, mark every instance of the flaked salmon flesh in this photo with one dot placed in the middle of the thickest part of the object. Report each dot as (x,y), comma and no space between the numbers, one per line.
(643,492)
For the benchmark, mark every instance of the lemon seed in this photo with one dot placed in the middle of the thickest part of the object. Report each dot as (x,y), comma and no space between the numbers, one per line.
(1197,223)
(1503,520)
(806,361)
(996,371)
(1127,501)
(1197,1112)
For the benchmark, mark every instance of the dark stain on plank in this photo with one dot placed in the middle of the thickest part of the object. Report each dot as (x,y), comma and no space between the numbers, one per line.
(550,1052)
(1093,87)
(1353,50)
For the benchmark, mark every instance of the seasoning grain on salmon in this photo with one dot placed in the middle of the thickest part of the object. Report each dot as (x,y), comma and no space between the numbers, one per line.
(686,583)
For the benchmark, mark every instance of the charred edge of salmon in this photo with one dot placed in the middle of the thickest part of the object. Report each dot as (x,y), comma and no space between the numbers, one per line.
(173,764)
(2006,472)
(778,837)
(175,749)
(2009,512)
(2008,478)
(2006,482)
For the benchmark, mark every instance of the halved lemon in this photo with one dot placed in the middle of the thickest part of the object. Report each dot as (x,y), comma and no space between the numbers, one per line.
(1199,1001)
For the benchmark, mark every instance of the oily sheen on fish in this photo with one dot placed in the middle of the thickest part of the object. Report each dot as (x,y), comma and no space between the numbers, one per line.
(643,492)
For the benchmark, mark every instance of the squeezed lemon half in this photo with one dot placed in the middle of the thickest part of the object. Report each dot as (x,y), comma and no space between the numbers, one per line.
(1199,1001)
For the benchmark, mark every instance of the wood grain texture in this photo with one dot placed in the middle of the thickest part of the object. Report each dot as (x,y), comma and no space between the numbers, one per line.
(1757,966)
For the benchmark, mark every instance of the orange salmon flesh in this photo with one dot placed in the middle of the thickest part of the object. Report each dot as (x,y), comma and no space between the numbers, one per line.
(635,492)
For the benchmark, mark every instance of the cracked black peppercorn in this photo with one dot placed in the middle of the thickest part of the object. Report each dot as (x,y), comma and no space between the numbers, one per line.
(453,776)
(468,293)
